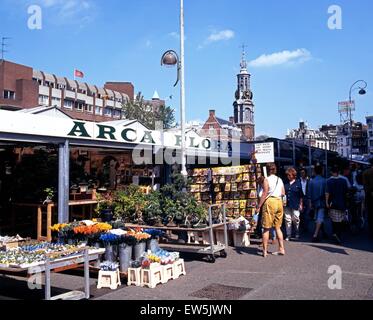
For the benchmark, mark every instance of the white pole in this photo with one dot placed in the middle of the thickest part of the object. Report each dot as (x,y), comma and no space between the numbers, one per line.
(182,90)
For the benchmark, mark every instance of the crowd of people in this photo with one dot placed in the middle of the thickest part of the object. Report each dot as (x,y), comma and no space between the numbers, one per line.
(287,209)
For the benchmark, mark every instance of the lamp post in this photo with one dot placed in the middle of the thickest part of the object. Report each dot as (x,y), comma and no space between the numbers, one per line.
(171,58)
(360,85)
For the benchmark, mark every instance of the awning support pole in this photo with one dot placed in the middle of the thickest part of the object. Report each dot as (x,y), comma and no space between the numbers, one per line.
(63,182)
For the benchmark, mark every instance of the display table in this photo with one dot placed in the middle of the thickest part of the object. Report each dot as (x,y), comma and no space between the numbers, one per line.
(48,209)
(208,249)
(84,256)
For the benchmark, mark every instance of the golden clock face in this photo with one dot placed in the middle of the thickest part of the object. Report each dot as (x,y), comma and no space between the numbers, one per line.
(247,95)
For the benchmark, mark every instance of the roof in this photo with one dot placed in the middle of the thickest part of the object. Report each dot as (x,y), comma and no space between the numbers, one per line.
(46,110)
(223,122)
(156,96)
(125,123)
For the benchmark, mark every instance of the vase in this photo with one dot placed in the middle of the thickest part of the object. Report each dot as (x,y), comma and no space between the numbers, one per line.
(152,245)
(125,256)
(97,244)
(139,250)
(109,253)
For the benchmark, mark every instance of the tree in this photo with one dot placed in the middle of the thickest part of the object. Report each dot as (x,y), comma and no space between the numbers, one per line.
(140,110)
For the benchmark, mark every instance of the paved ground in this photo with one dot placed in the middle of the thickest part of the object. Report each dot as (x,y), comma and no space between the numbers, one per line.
(301,274)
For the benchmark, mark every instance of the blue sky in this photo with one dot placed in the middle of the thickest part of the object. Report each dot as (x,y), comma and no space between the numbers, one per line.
(304,70)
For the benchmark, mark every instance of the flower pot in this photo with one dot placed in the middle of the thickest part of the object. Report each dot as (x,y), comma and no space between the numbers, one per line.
(152,245)
(107,215)
(109,253)
(116,251)
(83,188)
(139,250)
(125,256)
(97,244)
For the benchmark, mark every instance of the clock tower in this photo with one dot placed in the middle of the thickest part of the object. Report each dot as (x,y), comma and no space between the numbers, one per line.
(243,105)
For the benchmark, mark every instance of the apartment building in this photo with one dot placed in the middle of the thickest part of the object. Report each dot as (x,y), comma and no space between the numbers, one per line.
(310,137)
(24,87)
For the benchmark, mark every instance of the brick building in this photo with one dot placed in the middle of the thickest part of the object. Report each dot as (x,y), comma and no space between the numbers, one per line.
(220,129)
(24,87)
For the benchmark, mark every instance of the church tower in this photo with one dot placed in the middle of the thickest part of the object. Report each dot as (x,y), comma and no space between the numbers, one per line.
(243,105)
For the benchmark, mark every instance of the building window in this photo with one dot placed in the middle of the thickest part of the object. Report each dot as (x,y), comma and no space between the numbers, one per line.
(79,107)
(43,100)
(89,108)
(108,112)
(116,113)
(56,101)
(98,111)
(11,95)
(68,104)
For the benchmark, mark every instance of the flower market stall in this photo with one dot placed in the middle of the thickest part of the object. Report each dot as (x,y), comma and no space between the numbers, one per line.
(35,257)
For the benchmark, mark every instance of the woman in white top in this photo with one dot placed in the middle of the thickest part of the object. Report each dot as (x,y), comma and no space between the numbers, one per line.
(272,209)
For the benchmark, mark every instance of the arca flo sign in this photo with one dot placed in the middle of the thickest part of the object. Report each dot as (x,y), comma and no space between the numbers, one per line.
(80,129)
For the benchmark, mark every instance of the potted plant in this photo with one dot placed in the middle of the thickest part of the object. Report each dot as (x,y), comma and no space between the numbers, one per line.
(129,205)
(83,187)
(153,210)
(74,189)
(140,245)
(110,240)
(126,251)
(49,195)
(105,207)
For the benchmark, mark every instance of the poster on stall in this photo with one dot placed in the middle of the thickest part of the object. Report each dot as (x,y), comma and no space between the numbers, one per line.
(265,152)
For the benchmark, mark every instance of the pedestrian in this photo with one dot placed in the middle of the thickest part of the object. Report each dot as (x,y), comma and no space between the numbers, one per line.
(294,204)
(357,213)
(336,201)
(368,186)
(316,193)
(272,209)
(304,215)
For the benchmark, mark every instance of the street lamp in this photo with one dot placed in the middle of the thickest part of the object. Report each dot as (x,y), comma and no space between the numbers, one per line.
(170,58)
(360,85)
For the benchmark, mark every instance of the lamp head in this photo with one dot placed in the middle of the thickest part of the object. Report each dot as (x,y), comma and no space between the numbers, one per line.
(362,92)
(170,59)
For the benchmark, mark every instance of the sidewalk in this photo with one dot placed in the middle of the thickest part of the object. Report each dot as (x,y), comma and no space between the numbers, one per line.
(301,274)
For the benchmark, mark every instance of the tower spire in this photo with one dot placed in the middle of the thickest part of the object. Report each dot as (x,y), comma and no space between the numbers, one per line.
(243,63)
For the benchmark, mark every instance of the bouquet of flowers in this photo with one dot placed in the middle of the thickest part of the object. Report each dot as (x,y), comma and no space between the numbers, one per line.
(110,238)
(155,233)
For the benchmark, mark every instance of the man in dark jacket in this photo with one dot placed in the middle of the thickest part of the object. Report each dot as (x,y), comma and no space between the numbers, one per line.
(336,201)
(368,187)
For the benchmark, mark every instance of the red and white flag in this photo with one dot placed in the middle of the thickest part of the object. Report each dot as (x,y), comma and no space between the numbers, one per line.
(78,74)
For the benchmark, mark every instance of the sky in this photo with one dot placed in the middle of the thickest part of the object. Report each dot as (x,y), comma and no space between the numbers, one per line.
(300,67)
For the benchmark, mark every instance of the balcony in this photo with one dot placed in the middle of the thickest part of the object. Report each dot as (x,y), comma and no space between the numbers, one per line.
(44,91)
(70,94)
(56,93)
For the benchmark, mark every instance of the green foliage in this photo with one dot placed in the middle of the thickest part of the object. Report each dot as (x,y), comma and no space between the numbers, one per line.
(49,193)
(171,203)
(129,203)
(140,110)
(153,209)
